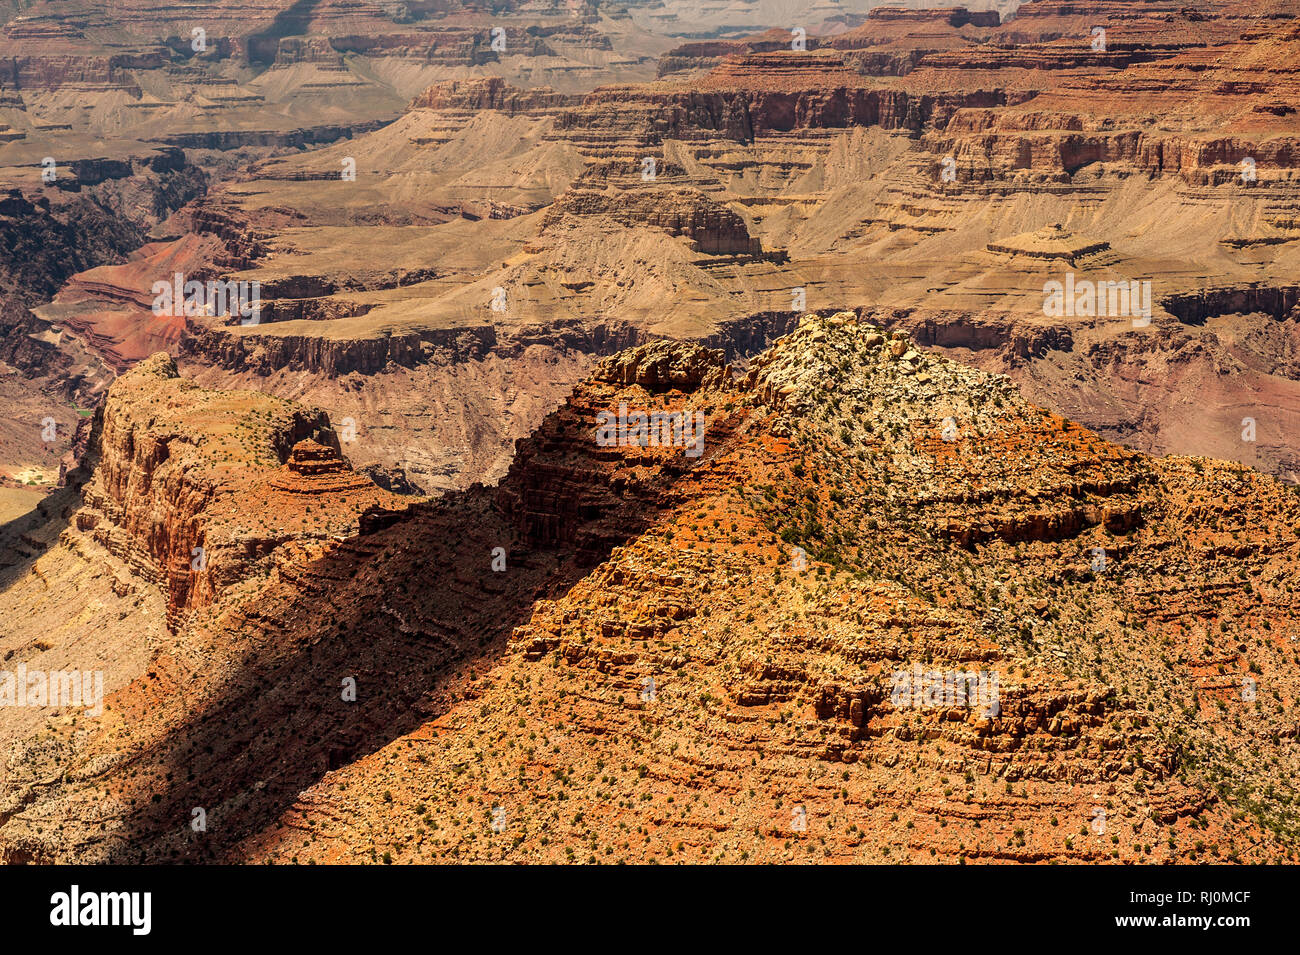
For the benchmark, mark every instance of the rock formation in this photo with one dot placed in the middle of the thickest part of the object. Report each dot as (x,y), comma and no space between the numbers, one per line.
(906,166)
(873,444)
(637,654)
(172,501)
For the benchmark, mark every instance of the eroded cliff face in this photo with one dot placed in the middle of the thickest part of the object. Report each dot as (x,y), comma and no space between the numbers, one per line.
(97,207)
(714,229)
(176,469)
(504,234)
(638,651)
(204,77)
(100,105)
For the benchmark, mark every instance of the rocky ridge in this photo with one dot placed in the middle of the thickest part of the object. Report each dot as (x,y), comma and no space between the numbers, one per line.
(736,621)
(176,466)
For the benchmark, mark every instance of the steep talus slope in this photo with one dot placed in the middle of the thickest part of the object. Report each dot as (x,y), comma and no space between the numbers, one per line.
(856,508)
(397,610)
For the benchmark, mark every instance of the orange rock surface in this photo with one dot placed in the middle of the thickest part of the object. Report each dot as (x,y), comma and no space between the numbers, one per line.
(694,658)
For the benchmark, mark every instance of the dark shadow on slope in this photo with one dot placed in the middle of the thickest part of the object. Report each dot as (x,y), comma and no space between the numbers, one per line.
(291,21)
(401,611)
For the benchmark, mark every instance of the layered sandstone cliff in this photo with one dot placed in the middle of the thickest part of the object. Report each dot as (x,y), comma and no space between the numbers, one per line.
(176,468)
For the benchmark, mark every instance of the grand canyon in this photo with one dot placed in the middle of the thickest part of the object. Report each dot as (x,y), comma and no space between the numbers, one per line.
(650,432)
